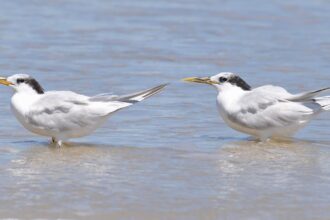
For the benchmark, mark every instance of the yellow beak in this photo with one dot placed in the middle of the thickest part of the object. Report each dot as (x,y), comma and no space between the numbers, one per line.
(4,81)
(205,80)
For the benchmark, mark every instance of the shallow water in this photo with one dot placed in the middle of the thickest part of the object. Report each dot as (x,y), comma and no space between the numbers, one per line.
(170,157)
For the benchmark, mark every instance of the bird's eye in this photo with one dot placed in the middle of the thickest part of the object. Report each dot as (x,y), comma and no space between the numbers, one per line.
(20,81)
(222,79)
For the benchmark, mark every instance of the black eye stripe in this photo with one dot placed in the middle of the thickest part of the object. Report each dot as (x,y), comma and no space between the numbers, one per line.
(222,79)
(20,81)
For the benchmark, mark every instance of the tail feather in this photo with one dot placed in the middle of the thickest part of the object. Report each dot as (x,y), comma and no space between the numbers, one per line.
(139,96)
(324,102)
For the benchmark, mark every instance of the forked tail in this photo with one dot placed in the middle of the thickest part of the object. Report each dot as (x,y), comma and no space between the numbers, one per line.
(324,102)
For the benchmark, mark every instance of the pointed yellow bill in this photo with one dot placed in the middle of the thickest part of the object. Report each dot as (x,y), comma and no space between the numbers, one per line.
(205,80)
(4,81)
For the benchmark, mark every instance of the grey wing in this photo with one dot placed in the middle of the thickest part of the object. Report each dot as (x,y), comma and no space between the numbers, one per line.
(264,108)
(104,97)
(62,111)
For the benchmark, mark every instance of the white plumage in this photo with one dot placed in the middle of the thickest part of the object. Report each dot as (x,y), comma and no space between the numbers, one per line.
(64,114)
(264,112)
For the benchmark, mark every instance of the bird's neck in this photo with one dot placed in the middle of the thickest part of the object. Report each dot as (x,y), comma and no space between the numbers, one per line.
(229,99)
(23,100)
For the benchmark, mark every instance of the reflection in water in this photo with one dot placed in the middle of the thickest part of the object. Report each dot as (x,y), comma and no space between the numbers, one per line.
(272,156)
(102,179)
(88,175)
(272,176)
(95,161)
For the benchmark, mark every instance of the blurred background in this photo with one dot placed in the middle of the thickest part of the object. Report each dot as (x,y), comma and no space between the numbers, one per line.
(170,157)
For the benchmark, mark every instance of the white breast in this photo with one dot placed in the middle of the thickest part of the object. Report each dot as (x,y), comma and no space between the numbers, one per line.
(20,105)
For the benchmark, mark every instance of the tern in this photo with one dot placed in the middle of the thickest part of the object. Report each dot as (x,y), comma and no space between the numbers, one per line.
(62,115)
(266,112)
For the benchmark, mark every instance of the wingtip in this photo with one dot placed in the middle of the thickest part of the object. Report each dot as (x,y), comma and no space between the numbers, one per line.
(160,87)
(157,89)
(164,85)
(139,96)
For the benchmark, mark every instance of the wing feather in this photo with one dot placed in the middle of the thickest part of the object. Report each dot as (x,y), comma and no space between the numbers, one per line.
(61,111)
(307,96)
(267,106)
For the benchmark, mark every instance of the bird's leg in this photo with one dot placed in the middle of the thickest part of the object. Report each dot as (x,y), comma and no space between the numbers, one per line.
(58,143)
(54,140)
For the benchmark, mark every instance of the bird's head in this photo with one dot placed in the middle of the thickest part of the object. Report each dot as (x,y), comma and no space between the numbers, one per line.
(22,83)
(222,81)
